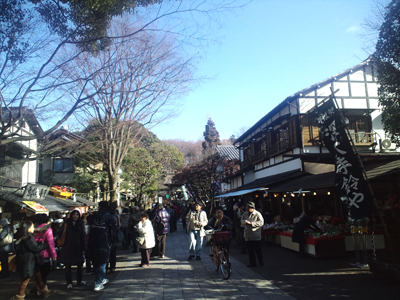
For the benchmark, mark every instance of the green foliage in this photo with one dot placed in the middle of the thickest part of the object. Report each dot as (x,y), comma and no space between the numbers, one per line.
(141,172)
(85,22)
(388,54)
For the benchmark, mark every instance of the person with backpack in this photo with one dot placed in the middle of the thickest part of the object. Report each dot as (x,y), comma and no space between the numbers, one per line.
(103,233)
(6,246)
(27,251)
(161,227)
(74,247)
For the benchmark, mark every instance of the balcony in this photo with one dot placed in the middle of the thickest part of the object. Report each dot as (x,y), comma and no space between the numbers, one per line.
(258,157)
(280,146)
(363,138)
(244,164)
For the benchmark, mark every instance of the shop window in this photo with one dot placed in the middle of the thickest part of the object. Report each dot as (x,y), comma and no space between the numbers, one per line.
(63,165)
(310,132)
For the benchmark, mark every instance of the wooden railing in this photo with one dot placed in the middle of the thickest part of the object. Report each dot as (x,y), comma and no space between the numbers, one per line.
(244,164)
(260,156)
(278,147)
(363,138)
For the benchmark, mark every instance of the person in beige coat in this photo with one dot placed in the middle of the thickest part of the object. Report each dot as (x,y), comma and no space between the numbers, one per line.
(145,229)
(196,220)
(253,221)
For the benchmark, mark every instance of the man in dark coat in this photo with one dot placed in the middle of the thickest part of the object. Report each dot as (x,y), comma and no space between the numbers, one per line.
(161,216)
(6,233)
(103,233)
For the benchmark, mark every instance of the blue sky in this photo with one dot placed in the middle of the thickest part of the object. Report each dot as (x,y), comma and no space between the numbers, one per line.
(270,50)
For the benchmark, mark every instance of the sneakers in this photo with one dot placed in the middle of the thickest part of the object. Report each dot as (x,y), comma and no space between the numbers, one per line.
(190,257)
(83,282)
(98,287)
(198,258)
(105,280)
(69,286)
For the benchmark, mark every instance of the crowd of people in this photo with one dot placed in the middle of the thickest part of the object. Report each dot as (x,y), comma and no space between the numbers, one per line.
(43,245)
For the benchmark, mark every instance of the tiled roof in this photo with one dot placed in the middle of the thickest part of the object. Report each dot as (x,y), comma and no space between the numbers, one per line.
(229,152)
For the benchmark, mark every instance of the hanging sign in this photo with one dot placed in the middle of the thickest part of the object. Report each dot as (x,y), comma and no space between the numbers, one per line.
(35,192)
(349,180)
(37,207)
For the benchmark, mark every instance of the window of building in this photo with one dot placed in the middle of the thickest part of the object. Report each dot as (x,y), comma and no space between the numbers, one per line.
(63,165)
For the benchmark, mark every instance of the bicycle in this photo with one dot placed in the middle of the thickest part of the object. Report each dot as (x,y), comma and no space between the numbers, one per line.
(218,252)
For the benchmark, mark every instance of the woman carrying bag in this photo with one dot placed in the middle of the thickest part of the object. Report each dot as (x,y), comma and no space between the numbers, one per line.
(27,250)
(74,247)
(146,232)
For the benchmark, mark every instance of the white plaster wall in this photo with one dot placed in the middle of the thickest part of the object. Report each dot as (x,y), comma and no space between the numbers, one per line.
(248,176)
(318,168)
(281,168)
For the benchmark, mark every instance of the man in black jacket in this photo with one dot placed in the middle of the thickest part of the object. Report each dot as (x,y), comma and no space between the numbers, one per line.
(6,234)
(103,233)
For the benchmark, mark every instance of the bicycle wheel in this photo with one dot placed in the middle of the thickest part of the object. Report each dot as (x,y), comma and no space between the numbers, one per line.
(225,264)
(214,257)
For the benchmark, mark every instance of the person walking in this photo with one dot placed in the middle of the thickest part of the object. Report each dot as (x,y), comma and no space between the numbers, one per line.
(44,234)
(253,221)
(134,219)
(196,220)
(161,222)
(6,246)
(124,221)
(102,234)
(72,253)
(27,250)
(145,230)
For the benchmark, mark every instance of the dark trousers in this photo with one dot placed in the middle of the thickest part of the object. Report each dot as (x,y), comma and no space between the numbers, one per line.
(113,256)
(254,248)
(145,256)
(134,244)
(45,270)
(4,265)
(68,273)
(126,242)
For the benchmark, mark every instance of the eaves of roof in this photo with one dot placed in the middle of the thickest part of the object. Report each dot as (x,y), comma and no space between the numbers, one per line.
(294,96)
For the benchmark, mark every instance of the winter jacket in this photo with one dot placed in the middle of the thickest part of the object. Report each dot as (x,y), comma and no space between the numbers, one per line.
(252,232)
(28,248)
(124,219)
(145,229)
(194,218)
(44,234)
(163,215)
(226,223)
(74,245)
(6,230)
(98,249)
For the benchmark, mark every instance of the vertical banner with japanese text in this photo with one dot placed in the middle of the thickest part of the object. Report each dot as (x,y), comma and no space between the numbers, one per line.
(349,180)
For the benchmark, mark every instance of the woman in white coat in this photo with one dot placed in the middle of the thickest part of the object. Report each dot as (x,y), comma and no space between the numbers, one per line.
(145,229)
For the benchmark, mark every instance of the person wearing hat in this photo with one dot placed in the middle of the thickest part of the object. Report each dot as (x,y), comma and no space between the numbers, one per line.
(6,235)
(196,220)
(253,221)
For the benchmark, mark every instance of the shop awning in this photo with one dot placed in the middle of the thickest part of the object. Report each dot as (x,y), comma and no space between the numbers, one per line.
(264,183)
(238,193)
(84,202)
(385,169)
(306,182)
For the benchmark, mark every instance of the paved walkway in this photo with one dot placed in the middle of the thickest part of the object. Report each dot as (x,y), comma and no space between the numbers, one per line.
(176,278)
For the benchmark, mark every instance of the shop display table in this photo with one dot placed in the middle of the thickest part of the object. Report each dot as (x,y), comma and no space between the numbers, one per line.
(271,235)
(325,246)
(378,236)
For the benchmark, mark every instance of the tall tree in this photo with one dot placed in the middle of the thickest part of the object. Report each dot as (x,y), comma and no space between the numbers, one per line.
(35,50)
(211,137)
(388,55)
(143,79)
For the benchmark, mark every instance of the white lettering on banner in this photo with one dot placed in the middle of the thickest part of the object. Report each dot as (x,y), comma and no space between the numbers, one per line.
(349,183)
(358,197)
(342,165)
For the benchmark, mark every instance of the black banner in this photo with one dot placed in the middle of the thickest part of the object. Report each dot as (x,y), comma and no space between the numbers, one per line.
(349,180)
